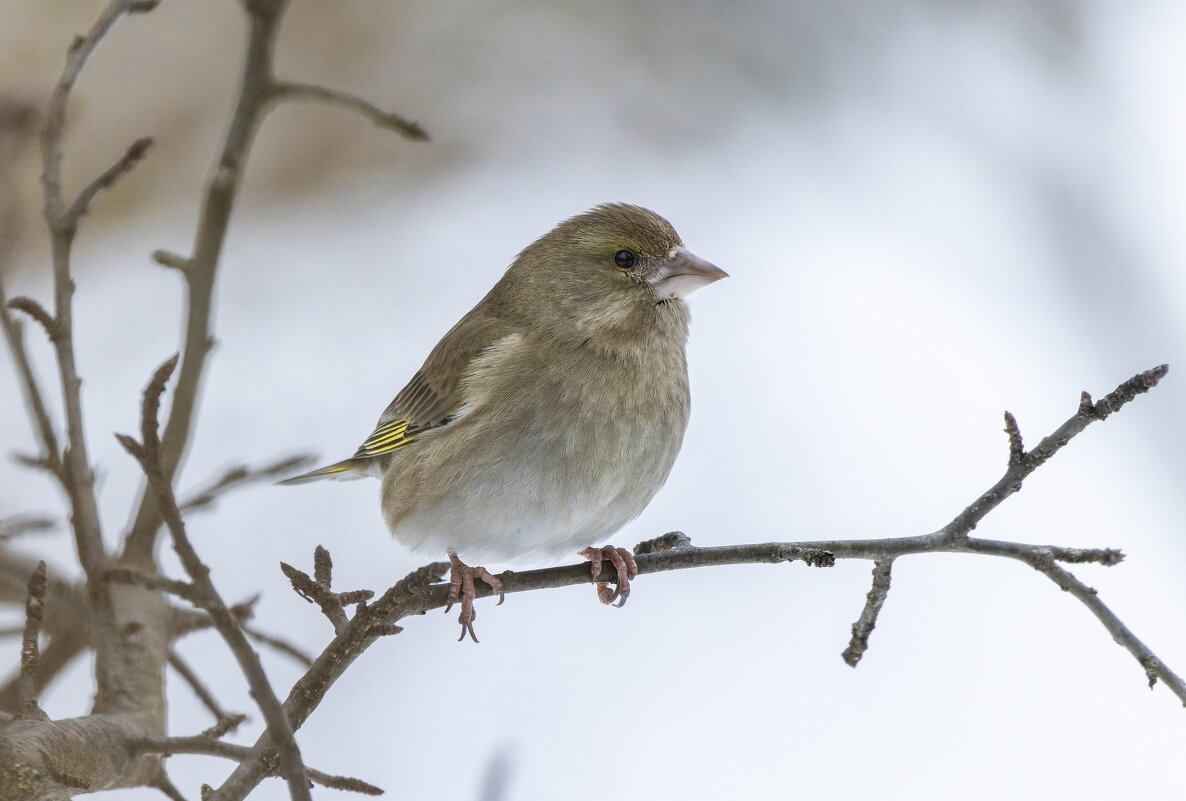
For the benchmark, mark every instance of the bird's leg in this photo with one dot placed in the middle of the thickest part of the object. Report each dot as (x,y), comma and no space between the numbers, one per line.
(461,588)
(627,569)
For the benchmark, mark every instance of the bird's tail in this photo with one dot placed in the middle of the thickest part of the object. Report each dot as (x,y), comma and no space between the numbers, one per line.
(345,470)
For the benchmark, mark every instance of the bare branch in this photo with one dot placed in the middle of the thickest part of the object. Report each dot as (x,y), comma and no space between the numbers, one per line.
(167,258)
(1086,414)
(152,581)
(205,745)
(30,652)
(166,786)
(255,93)
(1044,562)
(133,156)
(36,311)
(148,454)
(30,388)
(187,621)
(112,659)
(200,690)
(242,476)
(80,51)
(291,90)
(868,619)
(1016,446)
(279,644)
(1108,557)
(14,527)
(317,590)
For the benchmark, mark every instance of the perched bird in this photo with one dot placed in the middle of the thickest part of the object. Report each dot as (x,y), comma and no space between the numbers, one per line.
(550,414)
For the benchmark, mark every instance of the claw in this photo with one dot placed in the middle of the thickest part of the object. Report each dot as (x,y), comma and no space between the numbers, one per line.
(624,565)
(463,590)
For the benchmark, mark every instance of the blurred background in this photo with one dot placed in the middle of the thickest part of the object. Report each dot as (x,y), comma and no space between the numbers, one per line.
(931,211)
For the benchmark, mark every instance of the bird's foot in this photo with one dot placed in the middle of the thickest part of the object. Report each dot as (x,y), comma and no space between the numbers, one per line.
(461,589)
(627,569)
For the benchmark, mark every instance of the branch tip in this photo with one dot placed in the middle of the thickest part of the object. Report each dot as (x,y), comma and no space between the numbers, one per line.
(864,625)
(289,90)
(1016,446)
(323,567)
(670,540)
(38,313)
(167,258)
(131,157)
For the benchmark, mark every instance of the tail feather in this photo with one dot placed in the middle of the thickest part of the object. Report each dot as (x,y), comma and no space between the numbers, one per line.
(345,470)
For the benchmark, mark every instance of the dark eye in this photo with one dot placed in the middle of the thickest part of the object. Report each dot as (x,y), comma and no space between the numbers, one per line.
(624,259)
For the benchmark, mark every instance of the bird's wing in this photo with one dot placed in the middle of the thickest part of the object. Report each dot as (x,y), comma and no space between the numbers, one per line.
(433,397)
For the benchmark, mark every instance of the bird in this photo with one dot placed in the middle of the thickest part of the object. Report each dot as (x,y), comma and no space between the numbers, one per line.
(551,414)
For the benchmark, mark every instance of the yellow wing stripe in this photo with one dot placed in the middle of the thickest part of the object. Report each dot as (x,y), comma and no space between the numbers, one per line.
(384,439)
(367,451)
(389,426)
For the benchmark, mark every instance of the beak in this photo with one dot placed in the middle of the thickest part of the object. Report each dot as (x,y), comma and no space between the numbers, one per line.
(684,274)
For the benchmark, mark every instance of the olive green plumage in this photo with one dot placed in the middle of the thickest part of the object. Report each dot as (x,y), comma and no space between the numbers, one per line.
(552,412)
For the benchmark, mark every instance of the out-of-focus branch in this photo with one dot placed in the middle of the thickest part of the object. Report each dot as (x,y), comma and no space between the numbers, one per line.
(202,265)
(78,478)
(291,90)
(239,477)
(30,651)
(13,527)
(191,678)
(206,596)
(131,157)
(18,123)
(258,91)
(208,746)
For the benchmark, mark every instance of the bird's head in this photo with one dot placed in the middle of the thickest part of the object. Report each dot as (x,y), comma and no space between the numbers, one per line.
(616,271)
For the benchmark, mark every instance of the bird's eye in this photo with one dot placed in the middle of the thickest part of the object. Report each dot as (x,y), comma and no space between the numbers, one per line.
(624,259)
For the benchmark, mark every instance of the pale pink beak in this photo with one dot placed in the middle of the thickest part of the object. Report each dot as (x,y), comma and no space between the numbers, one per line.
(684,274)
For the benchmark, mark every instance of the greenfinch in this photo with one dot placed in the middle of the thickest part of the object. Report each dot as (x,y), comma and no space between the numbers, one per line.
(550,414)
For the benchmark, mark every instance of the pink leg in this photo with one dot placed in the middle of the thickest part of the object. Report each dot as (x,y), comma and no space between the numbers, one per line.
(624,564)
(461,588)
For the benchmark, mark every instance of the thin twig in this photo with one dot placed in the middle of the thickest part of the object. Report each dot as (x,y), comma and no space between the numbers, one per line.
(147,452)
(133,156)
(167,258)
(30,651)
(1016,446)
(865,624)
(153,581)
(221,191)
(38,313)
(14,527)
(200,690)
(18,124)
(166,786)
(279,644)
(292,90)
(241,476)
(203,744)
(1087,414)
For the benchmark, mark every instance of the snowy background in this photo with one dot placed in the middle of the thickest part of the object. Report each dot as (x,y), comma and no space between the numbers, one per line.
(931,212)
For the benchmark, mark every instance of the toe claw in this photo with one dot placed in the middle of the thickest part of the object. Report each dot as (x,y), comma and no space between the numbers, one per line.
(625,568)
(604,593)
(462,590)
